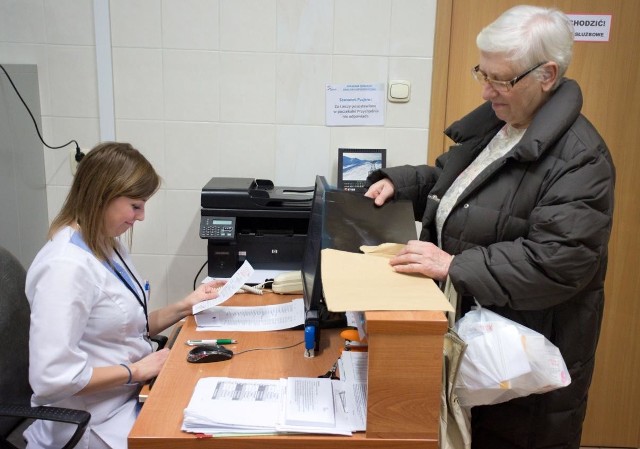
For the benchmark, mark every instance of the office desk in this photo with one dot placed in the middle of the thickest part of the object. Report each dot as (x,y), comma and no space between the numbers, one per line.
(405,365)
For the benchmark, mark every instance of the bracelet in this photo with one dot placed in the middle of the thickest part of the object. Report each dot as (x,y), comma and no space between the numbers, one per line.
(128,382)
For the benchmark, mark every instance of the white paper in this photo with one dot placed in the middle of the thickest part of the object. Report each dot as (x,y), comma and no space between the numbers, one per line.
(343,420)
(353,377)
(309,402)
(221,404)
(353,366)
(252,319)
(259,276)
(357,320)
(238,279)
(591,27)
(355,400)
(355,104)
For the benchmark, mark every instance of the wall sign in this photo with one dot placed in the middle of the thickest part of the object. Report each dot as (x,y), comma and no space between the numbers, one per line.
(355,104)
(591,27)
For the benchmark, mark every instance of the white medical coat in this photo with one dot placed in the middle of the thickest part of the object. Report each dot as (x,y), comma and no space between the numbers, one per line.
(82,317)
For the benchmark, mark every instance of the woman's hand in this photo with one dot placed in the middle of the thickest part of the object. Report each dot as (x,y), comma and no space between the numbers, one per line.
(161,319)
(149,366)
(203,293)
(381,191)
(424,258)
(106,377)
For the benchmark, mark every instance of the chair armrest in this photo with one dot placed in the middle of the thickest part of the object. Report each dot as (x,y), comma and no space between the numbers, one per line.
(160,340)
(78,417)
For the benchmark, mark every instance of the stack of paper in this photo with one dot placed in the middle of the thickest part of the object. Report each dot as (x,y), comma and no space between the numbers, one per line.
(310,404)
(222,405)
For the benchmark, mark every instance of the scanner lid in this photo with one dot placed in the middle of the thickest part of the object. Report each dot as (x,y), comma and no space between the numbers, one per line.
(252,194)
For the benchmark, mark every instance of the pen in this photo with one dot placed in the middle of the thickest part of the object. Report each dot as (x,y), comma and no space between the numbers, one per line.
(219,341)
(147,289)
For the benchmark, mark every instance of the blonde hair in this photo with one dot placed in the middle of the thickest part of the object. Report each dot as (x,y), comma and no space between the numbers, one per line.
(110,170)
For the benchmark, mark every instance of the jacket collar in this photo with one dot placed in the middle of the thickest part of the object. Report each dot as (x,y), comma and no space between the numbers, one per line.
(553,119)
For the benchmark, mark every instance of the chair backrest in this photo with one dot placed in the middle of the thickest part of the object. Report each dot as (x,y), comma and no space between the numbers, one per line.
(14,337)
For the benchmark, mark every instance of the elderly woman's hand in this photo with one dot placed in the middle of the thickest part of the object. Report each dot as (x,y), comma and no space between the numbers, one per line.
(424,258)
(381,191)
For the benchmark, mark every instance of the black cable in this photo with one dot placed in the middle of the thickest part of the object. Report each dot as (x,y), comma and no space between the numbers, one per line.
(79,153)
(198,274)
(269,348)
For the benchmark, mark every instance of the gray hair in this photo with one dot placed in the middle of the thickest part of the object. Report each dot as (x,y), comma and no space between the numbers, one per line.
(529,35)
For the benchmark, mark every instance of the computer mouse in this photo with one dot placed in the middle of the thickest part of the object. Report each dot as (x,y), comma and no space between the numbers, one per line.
(209,353)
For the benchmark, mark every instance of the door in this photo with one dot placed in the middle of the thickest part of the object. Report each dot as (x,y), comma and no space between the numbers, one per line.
(609,74)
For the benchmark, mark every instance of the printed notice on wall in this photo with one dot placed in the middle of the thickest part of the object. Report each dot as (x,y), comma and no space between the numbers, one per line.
(591,27)
(355,104)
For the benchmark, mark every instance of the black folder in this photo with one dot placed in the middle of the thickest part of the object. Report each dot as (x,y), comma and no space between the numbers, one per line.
(352,220)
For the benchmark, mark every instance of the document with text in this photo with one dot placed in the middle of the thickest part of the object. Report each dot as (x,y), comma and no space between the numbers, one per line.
(227,290)
(252,319)
(222,405)
(353,376)
(226,405)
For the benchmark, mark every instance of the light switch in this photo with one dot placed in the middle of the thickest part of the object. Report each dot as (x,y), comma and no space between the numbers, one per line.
(399,91)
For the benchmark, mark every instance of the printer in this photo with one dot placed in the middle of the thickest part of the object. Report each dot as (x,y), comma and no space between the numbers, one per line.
(251,219)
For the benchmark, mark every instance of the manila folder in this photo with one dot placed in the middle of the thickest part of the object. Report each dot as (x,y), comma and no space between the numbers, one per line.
(360,282)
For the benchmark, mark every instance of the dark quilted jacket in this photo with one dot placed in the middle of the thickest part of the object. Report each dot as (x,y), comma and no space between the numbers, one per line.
(530,238)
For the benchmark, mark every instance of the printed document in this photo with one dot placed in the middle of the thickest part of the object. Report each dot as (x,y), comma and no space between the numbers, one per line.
(309,402)
(238,279)
(222,405)
(226,405)
(353,377)
(252,319)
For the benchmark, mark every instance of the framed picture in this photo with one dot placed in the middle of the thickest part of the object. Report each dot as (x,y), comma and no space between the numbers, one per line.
(355,164)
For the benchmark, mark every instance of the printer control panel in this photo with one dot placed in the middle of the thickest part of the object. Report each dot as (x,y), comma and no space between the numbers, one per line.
(217,228)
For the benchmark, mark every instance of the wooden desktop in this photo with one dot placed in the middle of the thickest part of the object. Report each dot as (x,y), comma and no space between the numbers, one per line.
(405,375)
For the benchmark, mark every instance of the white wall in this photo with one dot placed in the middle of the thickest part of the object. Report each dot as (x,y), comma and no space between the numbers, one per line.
(23,196)
(219,88)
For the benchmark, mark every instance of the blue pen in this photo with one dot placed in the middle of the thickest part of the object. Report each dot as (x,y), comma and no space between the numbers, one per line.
(147,289)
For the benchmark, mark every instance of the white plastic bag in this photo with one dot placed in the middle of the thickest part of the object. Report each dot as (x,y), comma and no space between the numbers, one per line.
(505,360)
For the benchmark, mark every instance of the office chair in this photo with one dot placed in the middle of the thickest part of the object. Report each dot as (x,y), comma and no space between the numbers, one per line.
(15,391)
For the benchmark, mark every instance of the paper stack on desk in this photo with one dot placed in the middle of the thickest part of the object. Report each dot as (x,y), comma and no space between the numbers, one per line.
(252,319)
(222,405)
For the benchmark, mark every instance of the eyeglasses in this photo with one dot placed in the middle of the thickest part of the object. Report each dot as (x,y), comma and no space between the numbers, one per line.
(500,86)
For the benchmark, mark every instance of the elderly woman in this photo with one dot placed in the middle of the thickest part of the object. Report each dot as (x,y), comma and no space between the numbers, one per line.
(517,214)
